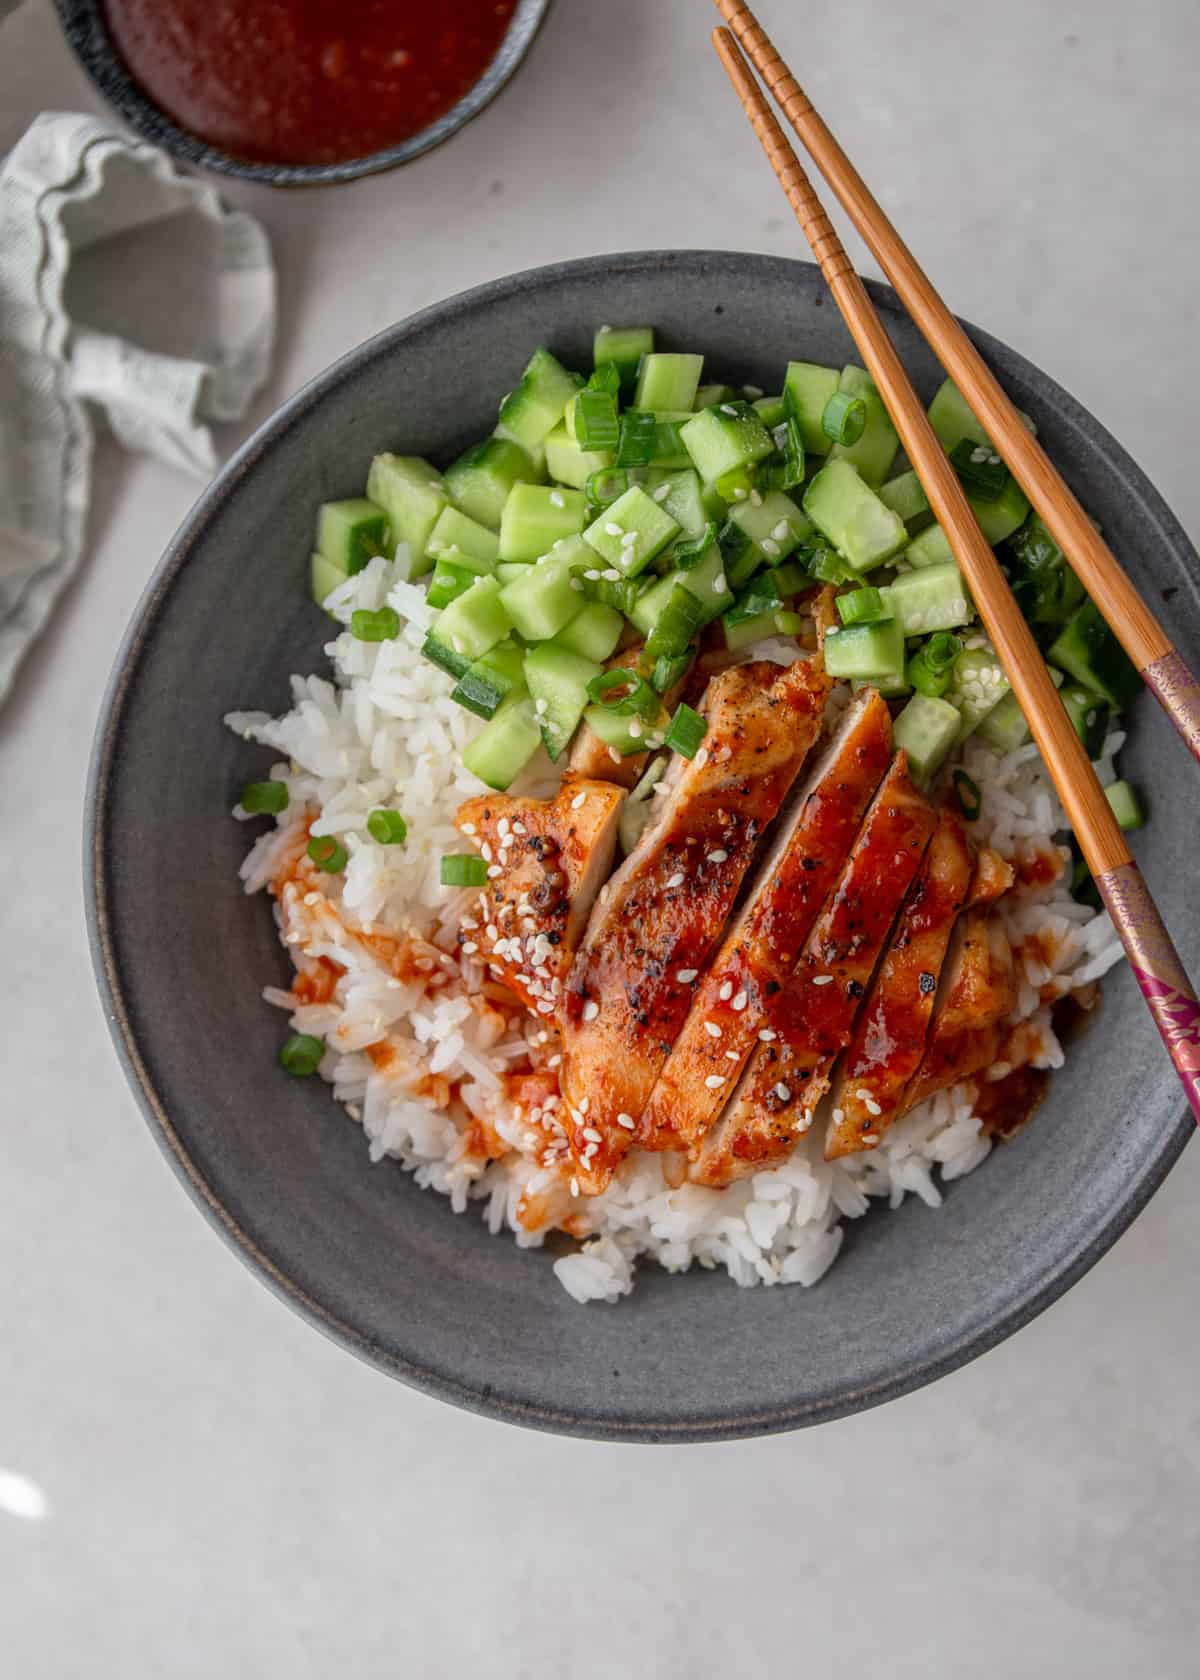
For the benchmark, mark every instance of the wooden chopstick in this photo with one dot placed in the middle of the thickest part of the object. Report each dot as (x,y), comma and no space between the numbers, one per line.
(1156,964)
(1141,635)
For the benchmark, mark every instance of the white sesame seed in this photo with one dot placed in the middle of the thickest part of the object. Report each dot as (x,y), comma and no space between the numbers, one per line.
(728,408)
(677,879)
(662,492)
(712,1029)
(541,707)
(592,1135)
(626,1120)
(719,856)
(740,495)
(612,529)
(739,1002)
(492,932)
(519,828)
(770,547)
(470,948)
(584,1104)
(863,1094)
(719,586)
(782,531)
(768,1035)
(839,1114)
(686,976)
(715,1081)
(578,801)
(822,979)
(577,585)
(574,1187)
(873,1107)
(558,499)
(614,755)
(592,574)
(611,575)
(726,991)
(731,1055)
(591,1009)
(783,1092)
(755,498)
(555,1061)
(485,851)
(635,729)
(494,871)
(701,759)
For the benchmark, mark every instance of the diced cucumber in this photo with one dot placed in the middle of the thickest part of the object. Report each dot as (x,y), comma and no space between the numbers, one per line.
(568,463)
(557,679)
(625,735)
(682,498)
(905,496)
(934,598)
(508,571)
(1090,715)
(352,532)
(475,622)
(453,577)
(441,653)
(926,730)
(721,440)
(412,494)
(773,522)
(707,582)
(951,417)
(807,388)
(892,685)
(850,514)
(594,631)
(324,577)
(772,411)
(480,480)
(746,631)
(997,520)
(1088,651)
(544,600)
(501,751)
(531,412)
(1126,806)
(708,396)
(631,531)
(875,450)
(536,516)
(865,650)
(740,555)
(624,347)
(1004,727)
(1046,588)
(977,684)
(490,681)
(456,536)
(668,382)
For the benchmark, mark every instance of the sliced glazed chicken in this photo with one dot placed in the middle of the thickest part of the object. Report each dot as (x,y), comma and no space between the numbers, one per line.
(813,1015)
(653,929)
(761,948)
(979,992)
(546,862)
(889,1035)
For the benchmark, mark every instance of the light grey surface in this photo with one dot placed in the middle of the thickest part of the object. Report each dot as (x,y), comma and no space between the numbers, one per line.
(229,1494)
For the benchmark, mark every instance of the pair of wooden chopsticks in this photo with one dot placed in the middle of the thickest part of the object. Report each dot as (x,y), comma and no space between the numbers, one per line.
(1156,964)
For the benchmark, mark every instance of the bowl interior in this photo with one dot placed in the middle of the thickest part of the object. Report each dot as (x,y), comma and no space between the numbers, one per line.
(388,1269)
(85,29)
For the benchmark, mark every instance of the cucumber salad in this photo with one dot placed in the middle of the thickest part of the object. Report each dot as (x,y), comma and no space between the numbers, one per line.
(616,527)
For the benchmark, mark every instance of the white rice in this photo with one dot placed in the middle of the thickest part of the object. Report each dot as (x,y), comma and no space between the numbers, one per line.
(384,731)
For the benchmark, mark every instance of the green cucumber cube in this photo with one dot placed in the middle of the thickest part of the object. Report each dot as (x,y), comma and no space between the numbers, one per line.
(630,532)
(1090,715)
(536,516)
(926,730)
(324,577)
(1088,651)
(594,631)
(875,450)
(1126,806)
(865,650)
(934,598)
(773,523)
(807,388)
(544,600)
(772,411)
(472,625)
(501,751)
(850,514)
(452,578)
(708,396)
(682,496)
(353,532)
(624,347)
(531,412)
(412,494)
(1004,727)
(977,684)
(624,735)
(997,520)
(725,439)
(952,419)
(568,464)
(479,482)
(905,496)
(707,582)
(668,382)
(458,537)
(490,681)
(557,679)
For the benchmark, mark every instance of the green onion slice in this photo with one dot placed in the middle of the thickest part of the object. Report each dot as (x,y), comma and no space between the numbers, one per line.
(827,566)
(980,469)
(969,796)
(388,827)
(689,551)
(677,624)
(844,418)
(625,693)
(609,483)
(784,470)
(464,869)
(638,433)
(381,626)
(260,799)
(301,1055)
(930,668)
(607,378)
(861,606)
(596,423)
(327,853)
(669,669)
(687,731)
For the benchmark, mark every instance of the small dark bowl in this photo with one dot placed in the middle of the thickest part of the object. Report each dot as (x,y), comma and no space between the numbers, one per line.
(87,34)
(387,1269)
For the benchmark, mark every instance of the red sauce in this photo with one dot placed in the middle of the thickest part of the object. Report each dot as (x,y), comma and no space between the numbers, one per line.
(307,81)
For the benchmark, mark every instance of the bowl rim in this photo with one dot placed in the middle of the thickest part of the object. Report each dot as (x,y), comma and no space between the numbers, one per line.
(86,32)
(1044,1286)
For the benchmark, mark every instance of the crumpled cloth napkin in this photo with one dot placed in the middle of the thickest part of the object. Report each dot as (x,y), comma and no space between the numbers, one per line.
(124,283)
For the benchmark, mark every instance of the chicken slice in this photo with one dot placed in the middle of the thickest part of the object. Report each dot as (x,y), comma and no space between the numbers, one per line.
(760,951)
(813,1015)
(979,991)
(547,860)
(653,930)
(889,1035)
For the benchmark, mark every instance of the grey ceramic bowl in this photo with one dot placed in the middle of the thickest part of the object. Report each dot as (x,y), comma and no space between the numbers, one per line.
(87,34)
(389,1270)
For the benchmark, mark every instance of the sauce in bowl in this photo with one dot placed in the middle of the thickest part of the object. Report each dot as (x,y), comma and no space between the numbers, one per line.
(306,81)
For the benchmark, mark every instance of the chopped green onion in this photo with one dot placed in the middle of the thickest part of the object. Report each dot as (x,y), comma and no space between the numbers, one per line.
(327,853)
(620,593)
(844,418)
(827,565)
(464,869)
(687,731)
(1126,806)
(636,698)
(736,484)
(388,827)
(861,606)
(638,431)
(762,596)
(596,423)
(980,469)
(610,483)
(260,799)
(969,796)
(789,579)
(607,378)
(669,670)
(674,628)
(784,470)
(689,551)
(668,444)
(929,670)
(381,626)
(301,1055)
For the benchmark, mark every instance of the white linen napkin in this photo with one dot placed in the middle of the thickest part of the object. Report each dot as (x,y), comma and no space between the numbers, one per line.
(125,283)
